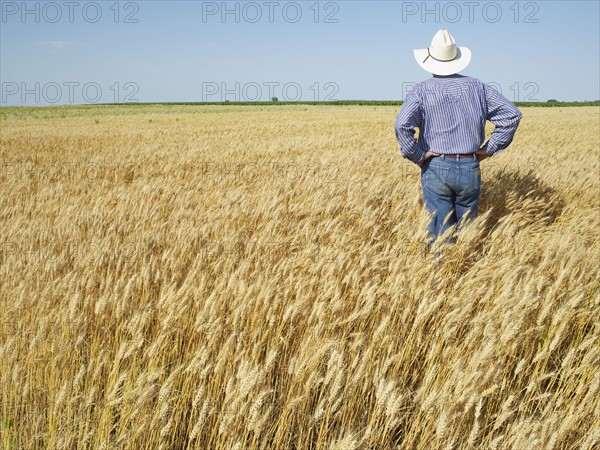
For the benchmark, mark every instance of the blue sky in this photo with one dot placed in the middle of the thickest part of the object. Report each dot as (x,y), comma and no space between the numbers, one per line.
(156,51)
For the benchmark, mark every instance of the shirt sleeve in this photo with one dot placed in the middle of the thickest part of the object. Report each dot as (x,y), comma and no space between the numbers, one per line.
(505,116)
(409,117)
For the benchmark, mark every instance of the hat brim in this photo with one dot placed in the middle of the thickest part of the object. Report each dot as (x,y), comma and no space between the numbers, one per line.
(462,60)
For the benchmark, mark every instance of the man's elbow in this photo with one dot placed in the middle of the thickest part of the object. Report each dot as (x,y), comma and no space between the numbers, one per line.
(513,121)
(517,121)
(403,152)
(518,116)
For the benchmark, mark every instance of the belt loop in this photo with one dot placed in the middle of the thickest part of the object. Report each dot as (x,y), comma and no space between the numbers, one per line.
(443,156)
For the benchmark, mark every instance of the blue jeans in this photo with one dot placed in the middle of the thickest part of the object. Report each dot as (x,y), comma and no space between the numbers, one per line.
(451,188)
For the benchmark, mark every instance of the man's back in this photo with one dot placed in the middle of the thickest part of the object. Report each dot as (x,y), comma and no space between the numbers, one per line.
(450,112)
(454,113)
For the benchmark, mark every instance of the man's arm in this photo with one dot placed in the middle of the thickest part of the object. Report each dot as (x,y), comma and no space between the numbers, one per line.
(409,117)
(502,113)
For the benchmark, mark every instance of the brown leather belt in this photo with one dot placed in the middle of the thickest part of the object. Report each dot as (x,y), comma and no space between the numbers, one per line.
(458,155)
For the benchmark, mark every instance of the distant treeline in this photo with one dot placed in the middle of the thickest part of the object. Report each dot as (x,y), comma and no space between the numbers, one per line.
(552,103)
(549,103)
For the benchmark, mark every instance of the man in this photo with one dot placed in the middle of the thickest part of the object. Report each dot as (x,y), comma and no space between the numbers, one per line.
(450,111)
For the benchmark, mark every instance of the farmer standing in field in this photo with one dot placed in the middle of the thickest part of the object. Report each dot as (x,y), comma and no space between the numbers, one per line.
(450,111)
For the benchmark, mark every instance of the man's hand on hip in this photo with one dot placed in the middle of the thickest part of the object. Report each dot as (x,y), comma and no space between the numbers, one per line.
(427,156)
(481,155)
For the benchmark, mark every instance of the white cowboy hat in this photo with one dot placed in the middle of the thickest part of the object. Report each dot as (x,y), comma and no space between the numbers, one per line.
(443,57)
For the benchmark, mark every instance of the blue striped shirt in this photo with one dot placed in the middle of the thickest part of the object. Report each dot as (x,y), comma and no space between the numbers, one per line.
(451,112)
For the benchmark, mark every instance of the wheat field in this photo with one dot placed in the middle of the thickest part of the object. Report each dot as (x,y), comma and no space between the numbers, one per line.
(256,277)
